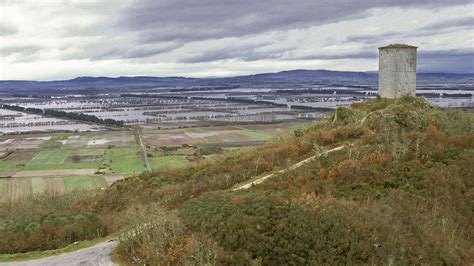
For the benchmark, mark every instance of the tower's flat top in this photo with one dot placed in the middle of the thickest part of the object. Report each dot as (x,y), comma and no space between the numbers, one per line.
(398,45)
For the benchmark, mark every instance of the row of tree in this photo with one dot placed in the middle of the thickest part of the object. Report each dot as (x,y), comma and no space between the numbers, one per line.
(64,114)
(231,99)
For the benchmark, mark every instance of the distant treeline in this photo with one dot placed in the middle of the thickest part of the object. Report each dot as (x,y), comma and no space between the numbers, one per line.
(443,95)
(230,99)
(172,97)
(207,88)
(320,91)
(351,86)
(68,115)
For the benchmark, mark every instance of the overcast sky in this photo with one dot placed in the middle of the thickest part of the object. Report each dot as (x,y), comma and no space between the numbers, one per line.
(61,39)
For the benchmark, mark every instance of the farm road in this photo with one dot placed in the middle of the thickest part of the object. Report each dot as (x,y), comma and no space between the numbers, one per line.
(142,148)
(99,254)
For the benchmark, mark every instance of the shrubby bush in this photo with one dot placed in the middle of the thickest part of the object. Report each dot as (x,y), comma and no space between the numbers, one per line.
(46,222)
(154,236)
(270,231)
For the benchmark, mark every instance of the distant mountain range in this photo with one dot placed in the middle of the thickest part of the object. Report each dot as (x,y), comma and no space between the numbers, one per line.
(283,77)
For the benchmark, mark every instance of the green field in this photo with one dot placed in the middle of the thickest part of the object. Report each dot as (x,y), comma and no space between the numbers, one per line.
(89,150)
(47,157)
(59,159)
(72,183)
(125,161)
(38,185)
(9,165)
(16,188)
(171,161)
(114,151)
(255,134)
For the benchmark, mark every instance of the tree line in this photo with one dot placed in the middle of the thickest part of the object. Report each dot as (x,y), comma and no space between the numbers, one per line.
(64,114)
(230,99)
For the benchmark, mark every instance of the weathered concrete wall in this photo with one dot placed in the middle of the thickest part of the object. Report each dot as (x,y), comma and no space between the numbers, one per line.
(397,71)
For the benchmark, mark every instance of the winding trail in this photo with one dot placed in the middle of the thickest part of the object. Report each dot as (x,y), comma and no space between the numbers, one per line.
(99,254)
(294,166)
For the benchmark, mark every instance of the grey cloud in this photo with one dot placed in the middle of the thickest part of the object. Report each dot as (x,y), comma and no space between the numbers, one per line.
(373,38)
(190,20)
(117,49)
(245,30)
(138,51)
(340,55)
(452,23)
(24,50)
(6,29)
(21,53)
(446,53)
(241,51)
(431,29)
(455,61)
(227,54)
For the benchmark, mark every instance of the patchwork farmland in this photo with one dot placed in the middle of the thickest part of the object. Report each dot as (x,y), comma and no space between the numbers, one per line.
(62,162)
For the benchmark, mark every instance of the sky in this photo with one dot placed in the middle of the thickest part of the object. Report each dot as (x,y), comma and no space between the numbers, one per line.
(62,39)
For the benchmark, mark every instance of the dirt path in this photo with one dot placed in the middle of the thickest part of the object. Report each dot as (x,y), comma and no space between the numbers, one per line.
(142,148)
(247,184)
(99,254)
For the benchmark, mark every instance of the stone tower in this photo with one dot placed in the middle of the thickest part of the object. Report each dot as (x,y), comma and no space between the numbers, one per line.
(397,70)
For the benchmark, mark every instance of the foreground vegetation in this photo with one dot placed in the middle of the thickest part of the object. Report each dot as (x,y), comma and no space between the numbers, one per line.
(401,193)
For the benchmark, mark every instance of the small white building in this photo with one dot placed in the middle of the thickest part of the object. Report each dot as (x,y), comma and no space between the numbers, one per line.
(397,70)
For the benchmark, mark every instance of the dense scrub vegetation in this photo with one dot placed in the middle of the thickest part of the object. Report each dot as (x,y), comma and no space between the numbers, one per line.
(47,222)
(400,193)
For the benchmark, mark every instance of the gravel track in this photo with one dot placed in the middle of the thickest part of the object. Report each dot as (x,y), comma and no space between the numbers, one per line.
(99,254)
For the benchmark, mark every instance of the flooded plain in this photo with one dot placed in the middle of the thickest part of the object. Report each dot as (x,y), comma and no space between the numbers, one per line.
(166,108)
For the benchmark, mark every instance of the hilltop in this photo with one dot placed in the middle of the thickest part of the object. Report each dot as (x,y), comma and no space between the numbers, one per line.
(400,191)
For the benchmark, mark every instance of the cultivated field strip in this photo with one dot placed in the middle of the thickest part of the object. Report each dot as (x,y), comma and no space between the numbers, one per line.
(17,188)
(61,172)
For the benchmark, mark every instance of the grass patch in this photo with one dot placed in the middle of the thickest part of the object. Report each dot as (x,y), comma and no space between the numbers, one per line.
(72,183)
(89,152)
(125,161)
(38,185)
(9,165)
(255,134)
(15,188)
(66,165)
(172,161)
(48,157)
(54,141)
(3,187)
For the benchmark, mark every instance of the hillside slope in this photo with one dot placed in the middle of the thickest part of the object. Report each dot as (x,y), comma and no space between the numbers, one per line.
(402,192)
